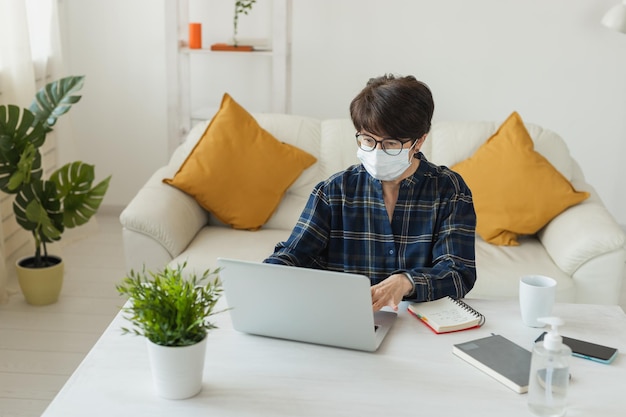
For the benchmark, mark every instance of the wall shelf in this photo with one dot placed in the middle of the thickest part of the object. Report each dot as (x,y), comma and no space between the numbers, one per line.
(181,116)
(204,51)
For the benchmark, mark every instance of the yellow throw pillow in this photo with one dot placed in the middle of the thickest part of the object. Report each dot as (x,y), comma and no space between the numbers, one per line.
(238,171)
(516,190)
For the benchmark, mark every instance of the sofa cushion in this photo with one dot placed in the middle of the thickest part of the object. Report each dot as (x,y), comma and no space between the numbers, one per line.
(237,170)
(214,242)
(338,146)
(516,190)
(499,269)
(453,142)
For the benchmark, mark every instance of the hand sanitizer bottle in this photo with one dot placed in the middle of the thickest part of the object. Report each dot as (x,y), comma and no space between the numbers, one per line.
(549,373)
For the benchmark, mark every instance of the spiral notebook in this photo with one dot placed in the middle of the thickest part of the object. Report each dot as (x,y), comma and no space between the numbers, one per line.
(447,315)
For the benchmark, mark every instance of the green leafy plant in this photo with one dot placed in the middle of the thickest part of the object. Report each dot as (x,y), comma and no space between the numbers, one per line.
(67,199)
(169,309)
(241,7)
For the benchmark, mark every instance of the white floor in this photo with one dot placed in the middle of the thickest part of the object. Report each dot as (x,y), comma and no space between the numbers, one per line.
(41,346)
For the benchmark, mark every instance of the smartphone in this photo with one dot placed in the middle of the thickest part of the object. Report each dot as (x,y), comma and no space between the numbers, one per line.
(588,350)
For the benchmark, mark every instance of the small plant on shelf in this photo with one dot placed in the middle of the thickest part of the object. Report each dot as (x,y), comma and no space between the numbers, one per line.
(241,7)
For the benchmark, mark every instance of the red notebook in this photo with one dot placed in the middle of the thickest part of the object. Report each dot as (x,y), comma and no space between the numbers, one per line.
(447,315)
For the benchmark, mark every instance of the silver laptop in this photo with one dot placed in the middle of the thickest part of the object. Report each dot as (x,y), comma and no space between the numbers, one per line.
(306,305)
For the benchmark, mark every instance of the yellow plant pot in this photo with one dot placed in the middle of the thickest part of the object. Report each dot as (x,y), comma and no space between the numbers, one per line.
(40,286)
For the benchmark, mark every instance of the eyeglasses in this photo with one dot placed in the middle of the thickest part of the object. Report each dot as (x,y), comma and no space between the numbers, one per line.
(391,147)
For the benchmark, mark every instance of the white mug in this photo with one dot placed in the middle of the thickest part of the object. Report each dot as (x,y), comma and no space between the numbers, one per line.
(536,298)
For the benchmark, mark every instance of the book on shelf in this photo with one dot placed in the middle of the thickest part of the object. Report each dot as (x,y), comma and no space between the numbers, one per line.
(447,315)
(498,357)
(231,47)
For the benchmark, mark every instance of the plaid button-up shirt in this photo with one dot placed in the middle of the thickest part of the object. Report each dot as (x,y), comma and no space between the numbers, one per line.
(345,227)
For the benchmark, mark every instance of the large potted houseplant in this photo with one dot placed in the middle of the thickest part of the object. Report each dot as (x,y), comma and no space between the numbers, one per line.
(44,207)
(172,312)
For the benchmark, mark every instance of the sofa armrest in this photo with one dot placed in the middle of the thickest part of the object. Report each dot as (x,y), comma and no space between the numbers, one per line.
(581,233)
(163,216)
(586,242)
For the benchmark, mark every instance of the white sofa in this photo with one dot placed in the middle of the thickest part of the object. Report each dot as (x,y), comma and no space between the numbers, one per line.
(582,248)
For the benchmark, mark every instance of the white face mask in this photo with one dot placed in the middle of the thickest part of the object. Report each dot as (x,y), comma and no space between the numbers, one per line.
(385,167)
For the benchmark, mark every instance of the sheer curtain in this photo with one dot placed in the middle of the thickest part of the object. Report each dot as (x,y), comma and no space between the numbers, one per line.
(30,56)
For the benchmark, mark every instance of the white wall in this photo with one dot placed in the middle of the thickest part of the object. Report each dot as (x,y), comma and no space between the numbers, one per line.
(551,61)
(120,123)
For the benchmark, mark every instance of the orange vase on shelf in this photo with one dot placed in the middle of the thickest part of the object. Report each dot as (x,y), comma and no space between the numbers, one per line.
(195,35)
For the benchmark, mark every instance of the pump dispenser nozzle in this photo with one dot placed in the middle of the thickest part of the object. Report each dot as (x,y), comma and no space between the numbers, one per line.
(552,340)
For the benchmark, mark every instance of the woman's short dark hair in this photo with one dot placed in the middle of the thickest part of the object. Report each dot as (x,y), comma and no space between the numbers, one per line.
(390,106)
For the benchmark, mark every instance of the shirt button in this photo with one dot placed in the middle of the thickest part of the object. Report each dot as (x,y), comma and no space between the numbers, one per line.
(390,251)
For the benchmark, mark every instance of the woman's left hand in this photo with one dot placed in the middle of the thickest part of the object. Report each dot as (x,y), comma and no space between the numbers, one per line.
(390,291)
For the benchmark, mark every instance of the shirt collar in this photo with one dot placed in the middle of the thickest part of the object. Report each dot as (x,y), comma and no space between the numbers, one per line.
(419,172)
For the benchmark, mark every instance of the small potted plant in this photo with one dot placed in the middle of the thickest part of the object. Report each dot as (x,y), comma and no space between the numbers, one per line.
(172,312)
(44,207)
(241,7)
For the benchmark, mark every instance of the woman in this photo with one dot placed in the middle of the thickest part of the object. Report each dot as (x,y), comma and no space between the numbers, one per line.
(396,218)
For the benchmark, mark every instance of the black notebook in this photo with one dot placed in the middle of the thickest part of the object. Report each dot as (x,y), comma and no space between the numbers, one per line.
(499,358)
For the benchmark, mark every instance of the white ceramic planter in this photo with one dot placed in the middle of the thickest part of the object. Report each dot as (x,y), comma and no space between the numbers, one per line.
(177,371)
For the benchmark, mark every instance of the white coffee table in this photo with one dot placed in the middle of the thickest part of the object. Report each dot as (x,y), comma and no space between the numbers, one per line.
(414,372)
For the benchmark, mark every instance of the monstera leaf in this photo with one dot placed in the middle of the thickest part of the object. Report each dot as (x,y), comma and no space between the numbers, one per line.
(20,139)
(37,208)
(80,201)
(56,99)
